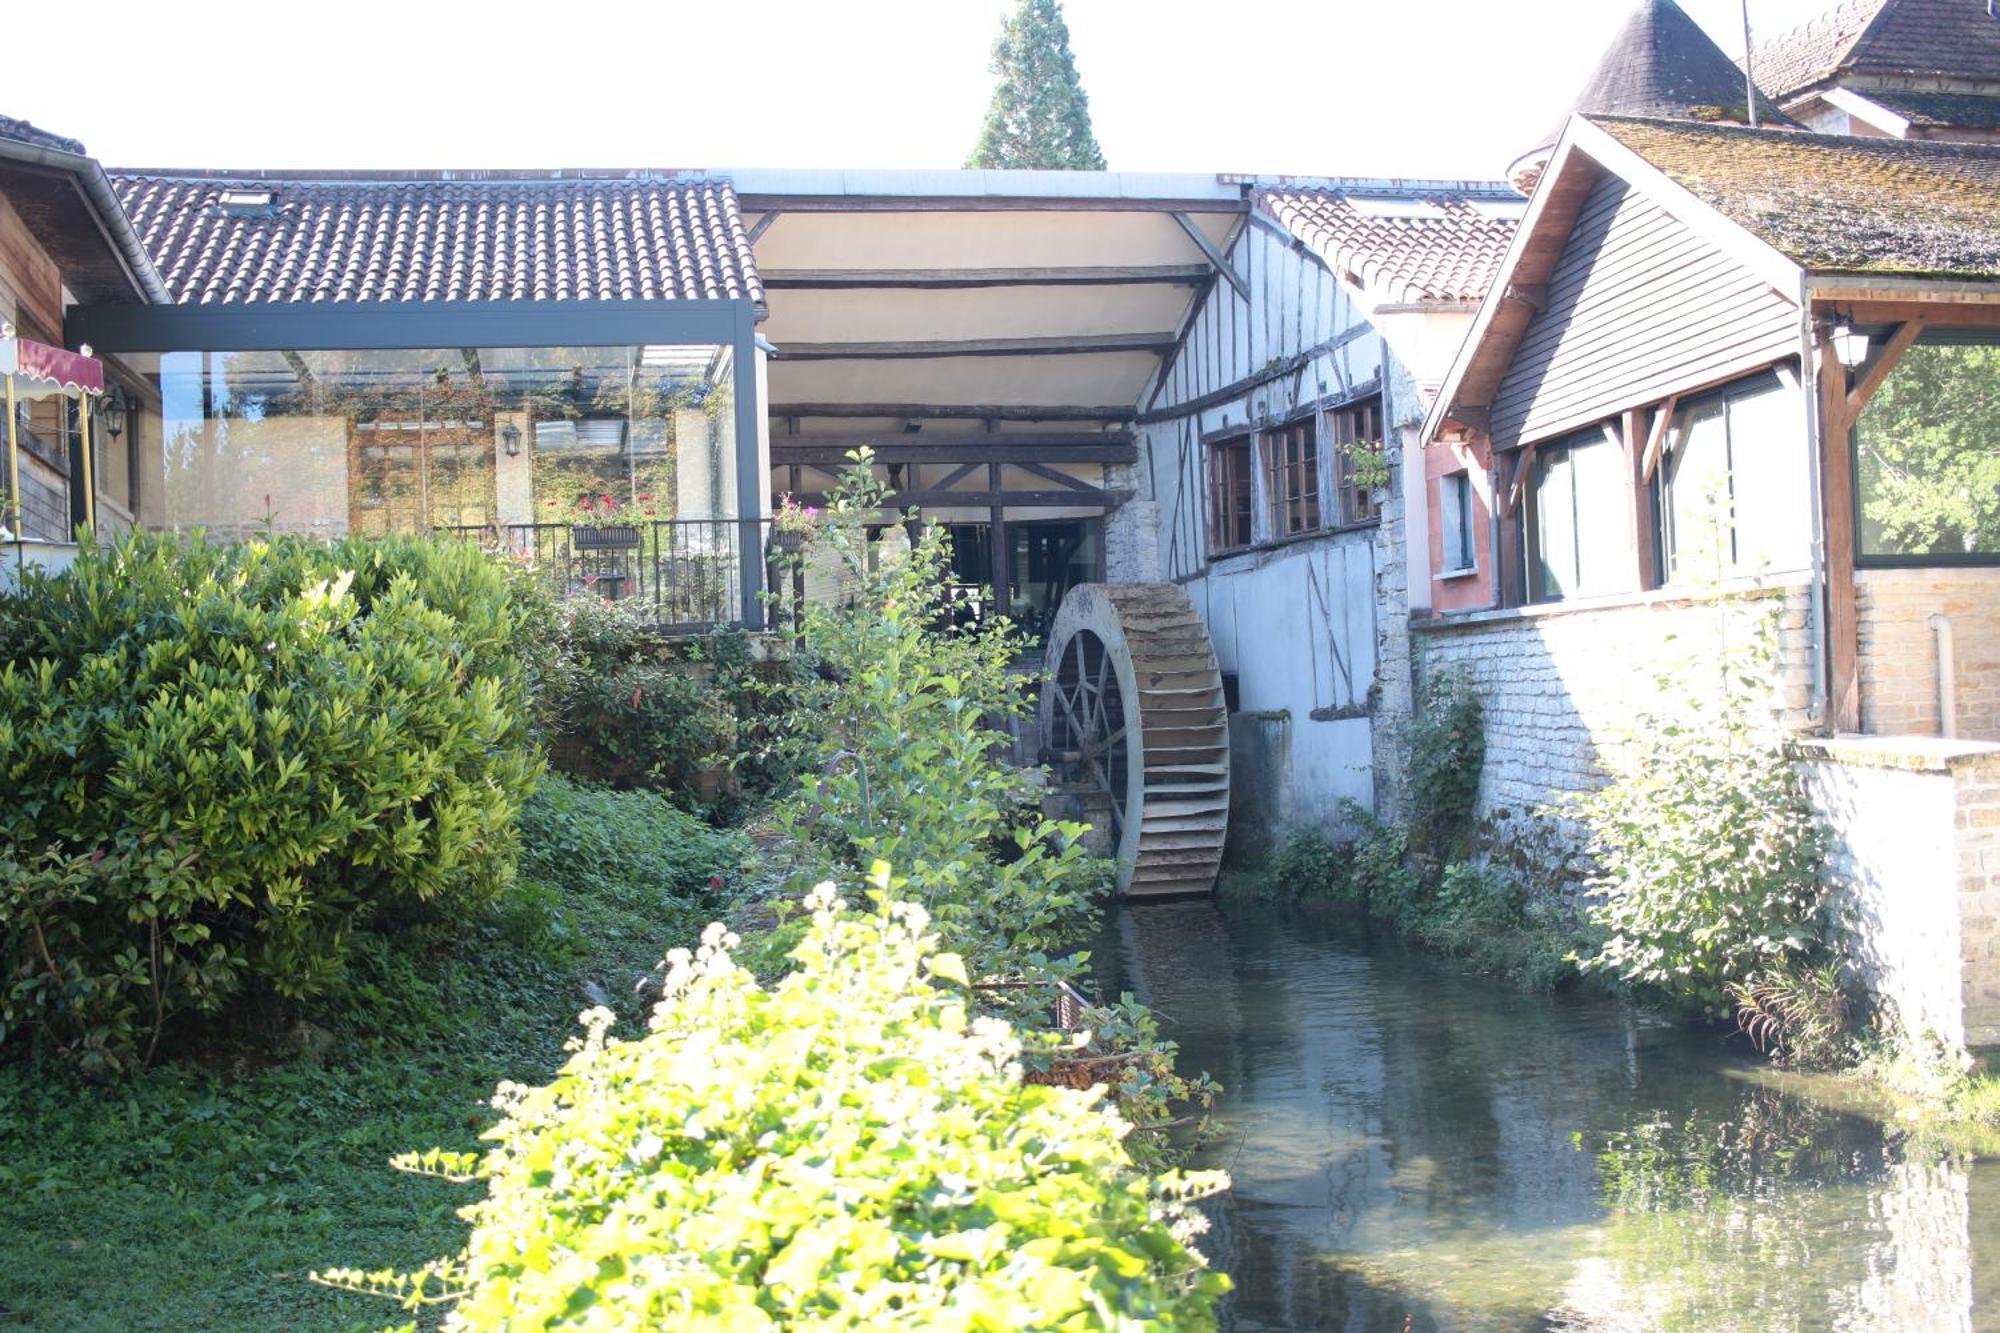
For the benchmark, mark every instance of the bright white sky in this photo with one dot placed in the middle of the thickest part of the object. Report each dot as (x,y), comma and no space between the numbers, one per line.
(1323,87)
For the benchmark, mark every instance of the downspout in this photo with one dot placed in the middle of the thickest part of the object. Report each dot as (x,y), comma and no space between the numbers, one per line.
(1822,685)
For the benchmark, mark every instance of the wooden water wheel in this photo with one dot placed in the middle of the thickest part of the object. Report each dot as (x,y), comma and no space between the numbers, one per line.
(1132,707)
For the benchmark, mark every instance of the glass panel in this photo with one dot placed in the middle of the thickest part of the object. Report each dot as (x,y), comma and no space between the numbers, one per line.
(1604,562)
(605,440)
(1695,520)
(1928,456)
(1767,454)
(1555,525)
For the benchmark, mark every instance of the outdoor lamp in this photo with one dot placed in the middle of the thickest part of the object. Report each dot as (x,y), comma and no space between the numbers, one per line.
(1850,346)
(510,439)
(114,411)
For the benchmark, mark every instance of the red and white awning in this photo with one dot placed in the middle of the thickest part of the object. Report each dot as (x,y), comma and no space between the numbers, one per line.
(34,370)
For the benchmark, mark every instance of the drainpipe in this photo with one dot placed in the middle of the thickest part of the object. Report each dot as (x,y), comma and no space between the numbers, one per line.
(1947,676)
(1822,684)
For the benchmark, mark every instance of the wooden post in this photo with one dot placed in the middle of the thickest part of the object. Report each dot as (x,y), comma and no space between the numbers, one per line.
(1645,549)
(1843,703)
(1000,548)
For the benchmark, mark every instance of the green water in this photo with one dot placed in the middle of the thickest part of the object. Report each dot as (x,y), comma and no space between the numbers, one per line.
(1410,1142)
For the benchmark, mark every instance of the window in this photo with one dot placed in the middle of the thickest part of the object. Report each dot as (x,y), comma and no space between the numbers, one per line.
(1229,503)
(1291,474)
(1927,457)
(1356,429)
(1579,543)
(1730,495)
(1455,522)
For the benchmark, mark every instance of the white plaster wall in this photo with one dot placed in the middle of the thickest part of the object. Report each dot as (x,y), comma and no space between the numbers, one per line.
(1893,860)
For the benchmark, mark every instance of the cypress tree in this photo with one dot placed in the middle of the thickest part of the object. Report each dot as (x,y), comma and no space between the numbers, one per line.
(1040,118)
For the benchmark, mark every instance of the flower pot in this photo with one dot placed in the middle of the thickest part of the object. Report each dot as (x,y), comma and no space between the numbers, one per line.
(612,537)
(788,543)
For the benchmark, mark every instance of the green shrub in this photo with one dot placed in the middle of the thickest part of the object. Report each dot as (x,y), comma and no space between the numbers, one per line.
(1482,914)
(1796,1013)
(1708,850)
(1446,742)
(268,745)
(846,1149)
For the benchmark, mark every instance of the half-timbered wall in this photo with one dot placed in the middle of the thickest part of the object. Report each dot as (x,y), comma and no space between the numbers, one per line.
(1313,626)
(1638,307)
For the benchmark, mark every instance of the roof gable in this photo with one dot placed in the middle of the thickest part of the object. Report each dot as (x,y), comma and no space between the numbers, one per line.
(251,239)
(1958,39)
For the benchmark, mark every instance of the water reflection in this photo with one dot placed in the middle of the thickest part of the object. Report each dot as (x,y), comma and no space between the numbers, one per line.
(1412,1143)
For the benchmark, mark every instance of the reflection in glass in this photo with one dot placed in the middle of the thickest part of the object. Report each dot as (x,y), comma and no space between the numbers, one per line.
(1927,464)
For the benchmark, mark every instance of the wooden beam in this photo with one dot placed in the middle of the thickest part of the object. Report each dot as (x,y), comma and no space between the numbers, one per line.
(1877,371)
(1215,257)
(959,411)
(930,498)
(1656,439)
(1072,345)
(763,224)
(1062,479)
(1843,638)
(832,450)
(1646,565)
(979,203)
(1179,275)
(1534,295)
(1000,546)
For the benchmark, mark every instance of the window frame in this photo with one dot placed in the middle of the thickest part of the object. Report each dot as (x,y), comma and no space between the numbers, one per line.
(1234,444)
(1293,483)
(1456,485)
(1344,426)
(1530,523)
(1863,559)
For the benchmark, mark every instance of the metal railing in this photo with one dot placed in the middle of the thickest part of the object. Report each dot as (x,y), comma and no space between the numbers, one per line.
(681,573)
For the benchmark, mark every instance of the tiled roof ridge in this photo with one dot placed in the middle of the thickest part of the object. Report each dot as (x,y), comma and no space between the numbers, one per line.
(426,176)
(27,132)
(1874,144)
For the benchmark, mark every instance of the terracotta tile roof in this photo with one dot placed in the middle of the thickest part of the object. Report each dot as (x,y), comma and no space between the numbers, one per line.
(403,239)
(1956,38)
(1837,204)
(20,131)
(1450,251)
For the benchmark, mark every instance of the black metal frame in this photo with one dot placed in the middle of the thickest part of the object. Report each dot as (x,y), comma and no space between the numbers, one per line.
(366,326)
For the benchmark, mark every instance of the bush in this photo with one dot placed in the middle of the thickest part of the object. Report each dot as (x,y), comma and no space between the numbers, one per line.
(688,717)
(1797,1014)
(1708,851)
(1481,914)
(256,749)
(1309,865)
(847,1149)
(1446,742)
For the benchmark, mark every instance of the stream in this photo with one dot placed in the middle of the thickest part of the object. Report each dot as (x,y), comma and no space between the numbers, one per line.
(1413,1146)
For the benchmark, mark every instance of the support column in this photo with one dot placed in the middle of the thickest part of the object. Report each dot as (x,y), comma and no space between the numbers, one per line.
(752,479)
(999,546)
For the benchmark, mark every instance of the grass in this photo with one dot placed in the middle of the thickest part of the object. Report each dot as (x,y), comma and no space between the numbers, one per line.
(195,1197)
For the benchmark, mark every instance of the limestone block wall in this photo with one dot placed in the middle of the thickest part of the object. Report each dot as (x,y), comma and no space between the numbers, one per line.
(1898,653)
(1564,683)
(1914,857)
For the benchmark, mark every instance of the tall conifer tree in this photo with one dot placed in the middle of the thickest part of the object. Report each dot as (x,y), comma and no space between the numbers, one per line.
(1040,118)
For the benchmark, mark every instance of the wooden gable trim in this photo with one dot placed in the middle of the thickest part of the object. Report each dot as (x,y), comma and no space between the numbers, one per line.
(1877,371)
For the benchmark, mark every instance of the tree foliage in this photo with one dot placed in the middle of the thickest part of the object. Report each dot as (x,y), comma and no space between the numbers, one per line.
(1039,118)
(1930,454)
(848,1149)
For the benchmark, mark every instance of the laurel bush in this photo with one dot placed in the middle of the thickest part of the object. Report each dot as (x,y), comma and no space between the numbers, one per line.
(847,1149)
(221,760)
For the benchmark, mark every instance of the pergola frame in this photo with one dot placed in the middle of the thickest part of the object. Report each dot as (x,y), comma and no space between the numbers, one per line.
(366,326)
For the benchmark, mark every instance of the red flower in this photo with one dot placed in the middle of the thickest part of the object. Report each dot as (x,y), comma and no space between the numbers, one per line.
(645,499)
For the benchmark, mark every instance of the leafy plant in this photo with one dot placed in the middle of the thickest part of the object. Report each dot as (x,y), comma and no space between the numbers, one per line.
(1445,739)
(1309,864)
(1368,464)
(849,1148)
(223,760)
(1708,851)
(1796,1013)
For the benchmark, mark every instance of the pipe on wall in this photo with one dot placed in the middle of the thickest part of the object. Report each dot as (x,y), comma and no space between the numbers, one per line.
(1811,389)
(1947,676)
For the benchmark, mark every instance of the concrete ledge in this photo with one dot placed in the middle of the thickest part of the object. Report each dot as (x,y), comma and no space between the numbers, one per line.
(1914,754)
(1666,598)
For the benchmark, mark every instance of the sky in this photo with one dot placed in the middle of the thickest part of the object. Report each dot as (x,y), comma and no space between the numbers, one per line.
(1409,88)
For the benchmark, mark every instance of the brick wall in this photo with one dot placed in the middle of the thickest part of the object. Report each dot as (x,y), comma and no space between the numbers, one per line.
(1563,683)
(1898,649)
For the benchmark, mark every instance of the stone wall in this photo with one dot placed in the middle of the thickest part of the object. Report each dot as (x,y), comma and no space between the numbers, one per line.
(1898,649)
(1563,683)
(1915,861)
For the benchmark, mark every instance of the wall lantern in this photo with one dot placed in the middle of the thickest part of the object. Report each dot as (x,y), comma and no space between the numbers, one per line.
(510,439)
(1850,346)
(114,411)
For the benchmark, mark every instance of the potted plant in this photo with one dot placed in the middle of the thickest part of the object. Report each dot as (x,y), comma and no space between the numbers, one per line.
(600,523)
(792,525)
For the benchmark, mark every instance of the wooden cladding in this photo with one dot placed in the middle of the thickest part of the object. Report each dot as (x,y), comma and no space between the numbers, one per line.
(1639,306)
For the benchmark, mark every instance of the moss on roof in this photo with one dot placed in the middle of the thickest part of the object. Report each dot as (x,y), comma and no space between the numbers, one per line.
(1836,204)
